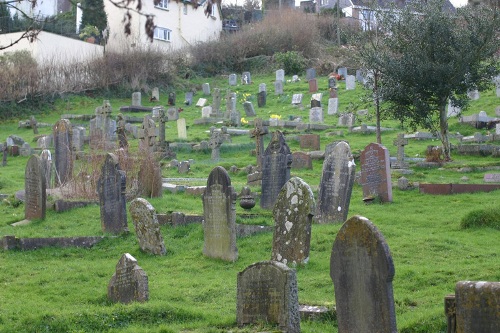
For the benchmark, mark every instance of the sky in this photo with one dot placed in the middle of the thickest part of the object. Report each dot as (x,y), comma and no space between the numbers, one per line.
(458,3)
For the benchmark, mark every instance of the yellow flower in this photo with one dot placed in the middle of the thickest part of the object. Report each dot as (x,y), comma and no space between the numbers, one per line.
(244,121)
(275,116)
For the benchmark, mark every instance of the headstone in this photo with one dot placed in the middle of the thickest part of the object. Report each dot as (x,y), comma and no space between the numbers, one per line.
(350,119)
(297,99)
(262,87)
(181,129)
(172,114)
(280,75)
(473,94)
(400,142)
(149,178)
(276,163)
(188,99)
(231,101)
(111,188)
(235,118)
(214,144)
(316,100)
(350,82)
(333,106)
(333,93)
(46,160)
(310,74)
(206,111)
(332,82)
(129,283)
(63,138)
(313,85)
(249,110)
(171,98)
(342,71)
(293,214)
(155,94)
(335,186)
(183,167)
(34,124)
(34,189)
(310,141)
(453,111)
(301,160)
(219,212)
(316,115)
(491,178)
(121,132)
(258,132)
(295,78)
(359,76)
(261,99)
(79,138)
(278,87)
(147,228)
(362,271)
(147,135)
(216,101)
(44,142)
(26,150)
(206,88)
(375,173)
(267,292)
(233,79)
(403,183)
(246,78)
(136,98)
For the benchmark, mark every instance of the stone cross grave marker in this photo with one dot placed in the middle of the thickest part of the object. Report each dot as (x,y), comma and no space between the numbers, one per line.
(280,75)
(34,189)
(400,142)
(149,178)
(376,173)
(214,144)
(278,87)
(267,292)
(293,214)
(362,271)
(111,189)
(335,186)
(147,135)
(181,129)
(63,138)
(46,160)
(219,213)
(258,132)
(206,88)
(147,227)
(276,163)
(233,79)
(129,283)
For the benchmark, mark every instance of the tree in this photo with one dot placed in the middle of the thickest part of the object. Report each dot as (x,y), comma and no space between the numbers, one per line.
(431,56)
(93,14)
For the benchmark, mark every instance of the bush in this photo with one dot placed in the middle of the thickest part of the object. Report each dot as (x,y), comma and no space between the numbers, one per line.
(292,62)
(489,217)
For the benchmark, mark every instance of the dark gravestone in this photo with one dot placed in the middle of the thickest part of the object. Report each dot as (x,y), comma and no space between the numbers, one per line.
(267,292)
(335,186)
(301,160)
(309,141)
(147,227)
(34,189)
(477,306)
(249,109)
(293,214)
(375,173)
(313,86)
(63,138)
(219,213)
(362,271)
(129,283)
(171,98)
(149,178)
(111,189)
(310,74)
(261,99)
(276,163)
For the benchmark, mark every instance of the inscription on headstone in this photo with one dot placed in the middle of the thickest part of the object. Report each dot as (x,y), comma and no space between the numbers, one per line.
(375,173)
(129,283)
(34,189)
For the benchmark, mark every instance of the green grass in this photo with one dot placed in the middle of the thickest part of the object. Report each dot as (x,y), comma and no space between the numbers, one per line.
(64,290)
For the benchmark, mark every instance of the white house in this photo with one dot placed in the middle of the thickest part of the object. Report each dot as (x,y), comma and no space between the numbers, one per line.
(177,24)
(42,9)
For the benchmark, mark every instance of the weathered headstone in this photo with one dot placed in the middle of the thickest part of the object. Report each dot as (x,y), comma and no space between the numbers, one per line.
(276,163)
(206,88)
(206,111)
(249,110)
(473,94)
(278,87)
(262,87)
(267,292)
(129,283)
(188,98)
(453,110)
(375,173)
(34,189)
(316,100)
(111,188)
(301,160)
(136,98)
(258,132)
(149,178)
(155,94)
(333,105)
(231,101)
(214,144)
(336,182)
(26,150)
(233,79)
(310,74)
(219,212)
(400,142)
(63,138)
(172,114)
(293,214)
(316,115)
(310,141)
(261,99)
(216,101)
(342,71)
(362,271)
(246,78)
(46,160)
(313,85)
(120,132)
(201,102)
(147,227)
(297,99)
(181,129)
(147,135)
(350,82)
(280,75)
(171,98)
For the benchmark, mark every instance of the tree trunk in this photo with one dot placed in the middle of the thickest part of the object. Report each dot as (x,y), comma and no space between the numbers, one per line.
(443,127)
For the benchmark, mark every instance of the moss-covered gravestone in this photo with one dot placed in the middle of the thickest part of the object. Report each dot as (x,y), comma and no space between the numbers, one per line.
(147,227)
(129,283)
(34,189)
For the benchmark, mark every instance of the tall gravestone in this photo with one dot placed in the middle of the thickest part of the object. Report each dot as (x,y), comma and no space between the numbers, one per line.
(261,99)
(219,212)
(111,189)
(310,74)
(147,135)
(375,173)
(129,283)
(136,98)
(147,227)
(400,142)
(258,133)
(155,94)
(216,102)
(280,75)
(249,109)
(313,85)
(149,178)
(34,189)
(181,129)
(102,128)
(293,214)
(206,88)
(267,292)
(46,159)
(336,182)
(63,138)
(350,82)
(333,106)
(362,271)
(276,164)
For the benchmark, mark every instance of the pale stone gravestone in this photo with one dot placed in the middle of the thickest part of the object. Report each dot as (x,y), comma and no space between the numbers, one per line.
(136,98)
(477,306)
(333,106)
(258,132)
(400,142)
(313,85)
(267,292)
(147,227)
(297,99)
(233,79)
(102,127)
(350,119)
(350,82)
(276,163)
(453,110)
(63,138)
(34,189)
(473,94)
(359,76)
(316,115)
(375,172)
(149,178)
(44,142)
(171,98)
(201,102)
(262,87)
(278,87)
(129,283)
(181,128)
(362,271)
(206,88)
(155,94)
(249,109)
(216,101)
(280,75)
(206,111)
(261,99)
(293,214)
(492,178)
(301,160)
(295,78)
(219,213)
(111,188)
(46,160)
(188,99)
(79,138)
(147,135)
(25,150)
(172,114)
(231,101)
(335,186)
(342,71)
(246,78)
(310,74)
(310,141)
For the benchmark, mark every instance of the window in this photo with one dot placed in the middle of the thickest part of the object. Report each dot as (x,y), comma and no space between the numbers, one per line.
(163,4)
(162,33)
(185,9)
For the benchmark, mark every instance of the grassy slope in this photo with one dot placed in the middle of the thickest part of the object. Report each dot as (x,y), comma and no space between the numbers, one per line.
(64,290)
